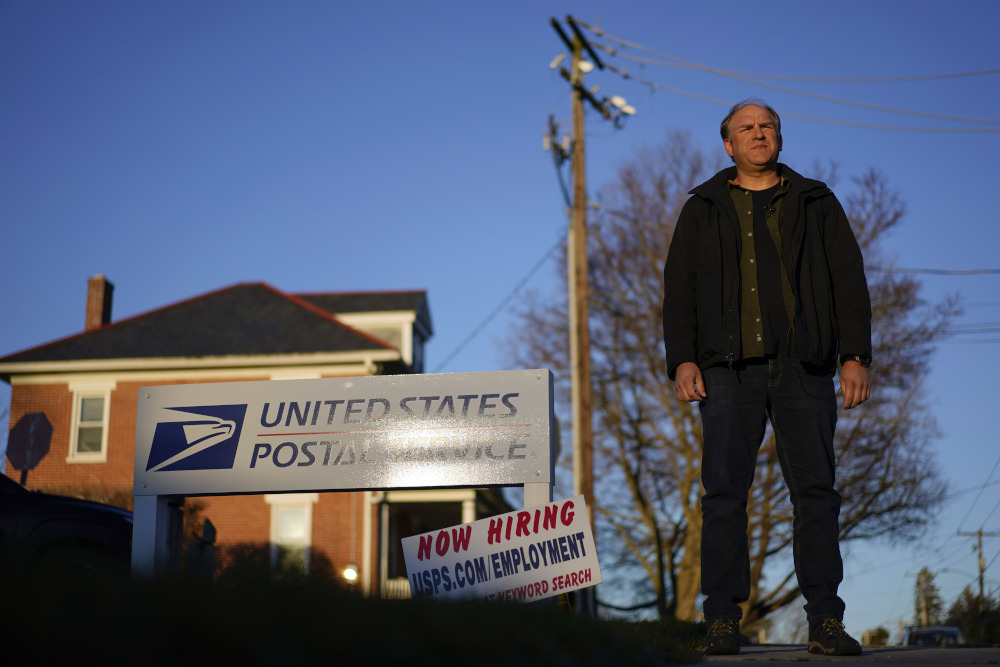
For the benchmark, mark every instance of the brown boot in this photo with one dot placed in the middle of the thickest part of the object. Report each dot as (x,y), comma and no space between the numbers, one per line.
(827,636)
(723,637)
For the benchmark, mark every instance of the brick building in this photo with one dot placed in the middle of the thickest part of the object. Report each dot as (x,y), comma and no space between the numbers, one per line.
(87,385)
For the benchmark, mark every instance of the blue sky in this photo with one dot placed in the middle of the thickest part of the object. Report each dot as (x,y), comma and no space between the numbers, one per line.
(179,147)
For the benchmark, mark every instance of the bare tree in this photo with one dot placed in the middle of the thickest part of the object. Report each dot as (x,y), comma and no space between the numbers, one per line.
(647,444)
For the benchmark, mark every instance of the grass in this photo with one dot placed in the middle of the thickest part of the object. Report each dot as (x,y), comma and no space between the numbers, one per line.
(255,622)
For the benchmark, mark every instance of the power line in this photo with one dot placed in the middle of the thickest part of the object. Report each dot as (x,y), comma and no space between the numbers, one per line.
(755,80)
(971,330)
(812,119)
(945,559)
(993,560)
(892,609)
(937,272)
(977,325)
(496,311)
(825,98)
(978,495)
(992,511)
(686,64)
(980,487)
(870,107)
(892,128)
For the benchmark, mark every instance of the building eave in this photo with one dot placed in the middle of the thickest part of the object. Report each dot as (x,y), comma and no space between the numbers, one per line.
(224,362)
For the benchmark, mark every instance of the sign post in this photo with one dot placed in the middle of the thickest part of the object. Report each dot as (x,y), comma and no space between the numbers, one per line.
(28,442)
(456,430)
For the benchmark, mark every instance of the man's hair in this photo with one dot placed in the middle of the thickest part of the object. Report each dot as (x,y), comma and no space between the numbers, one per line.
(724,128)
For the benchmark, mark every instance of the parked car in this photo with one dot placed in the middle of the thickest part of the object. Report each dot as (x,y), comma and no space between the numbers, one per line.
(934,635)
(47,535)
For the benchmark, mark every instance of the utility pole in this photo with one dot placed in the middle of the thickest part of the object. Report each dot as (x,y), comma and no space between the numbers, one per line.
(982,568)
(579,315)
(579,319)
(922,582)
(614,109)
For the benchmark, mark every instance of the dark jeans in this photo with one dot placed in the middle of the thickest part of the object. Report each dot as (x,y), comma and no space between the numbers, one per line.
(803,412)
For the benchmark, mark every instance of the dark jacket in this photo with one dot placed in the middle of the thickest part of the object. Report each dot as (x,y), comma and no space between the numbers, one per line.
(701,278)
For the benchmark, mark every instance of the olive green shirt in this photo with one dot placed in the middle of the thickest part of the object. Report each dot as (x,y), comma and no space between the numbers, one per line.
(751,318)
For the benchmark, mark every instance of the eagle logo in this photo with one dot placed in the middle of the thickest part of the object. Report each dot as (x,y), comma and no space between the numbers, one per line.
(197,438)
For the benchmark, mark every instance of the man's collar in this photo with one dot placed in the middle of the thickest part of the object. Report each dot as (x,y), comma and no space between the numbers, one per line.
(783,182)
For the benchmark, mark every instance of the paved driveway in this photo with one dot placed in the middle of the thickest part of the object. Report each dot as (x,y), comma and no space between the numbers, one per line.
(779,656)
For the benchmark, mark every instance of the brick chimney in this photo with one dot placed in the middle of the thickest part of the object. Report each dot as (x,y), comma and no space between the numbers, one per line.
(99,292)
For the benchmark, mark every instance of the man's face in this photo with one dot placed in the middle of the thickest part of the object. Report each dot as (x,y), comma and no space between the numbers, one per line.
(753,140)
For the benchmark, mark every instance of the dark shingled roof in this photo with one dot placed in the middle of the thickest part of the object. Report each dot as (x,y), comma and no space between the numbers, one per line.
(245,319)
(367,302)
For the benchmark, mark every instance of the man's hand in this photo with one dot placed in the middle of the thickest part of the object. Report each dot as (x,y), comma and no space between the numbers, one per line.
(854,384)
(689,383)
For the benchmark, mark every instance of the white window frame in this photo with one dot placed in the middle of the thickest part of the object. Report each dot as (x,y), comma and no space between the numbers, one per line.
(284,501)
(90,390)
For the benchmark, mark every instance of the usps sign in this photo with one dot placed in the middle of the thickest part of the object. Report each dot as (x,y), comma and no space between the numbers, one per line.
(527,555)
(409,431)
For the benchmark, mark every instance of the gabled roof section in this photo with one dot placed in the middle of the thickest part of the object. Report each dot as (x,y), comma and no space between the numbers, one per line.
(367,302)
(245,319)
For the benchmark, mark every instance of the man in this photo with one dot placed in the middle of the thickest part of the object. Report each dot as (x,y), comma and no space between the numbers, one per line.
(764,295)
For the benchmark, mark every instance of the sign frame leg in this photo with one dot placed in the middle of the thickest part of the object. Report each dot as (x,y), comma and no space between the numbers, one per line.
(150,536)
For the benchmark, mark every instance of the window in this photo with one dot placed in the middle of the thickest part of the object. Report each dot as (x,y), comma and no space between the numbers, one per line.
(291,549)
(291,532)
(90,427)
(89,435)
